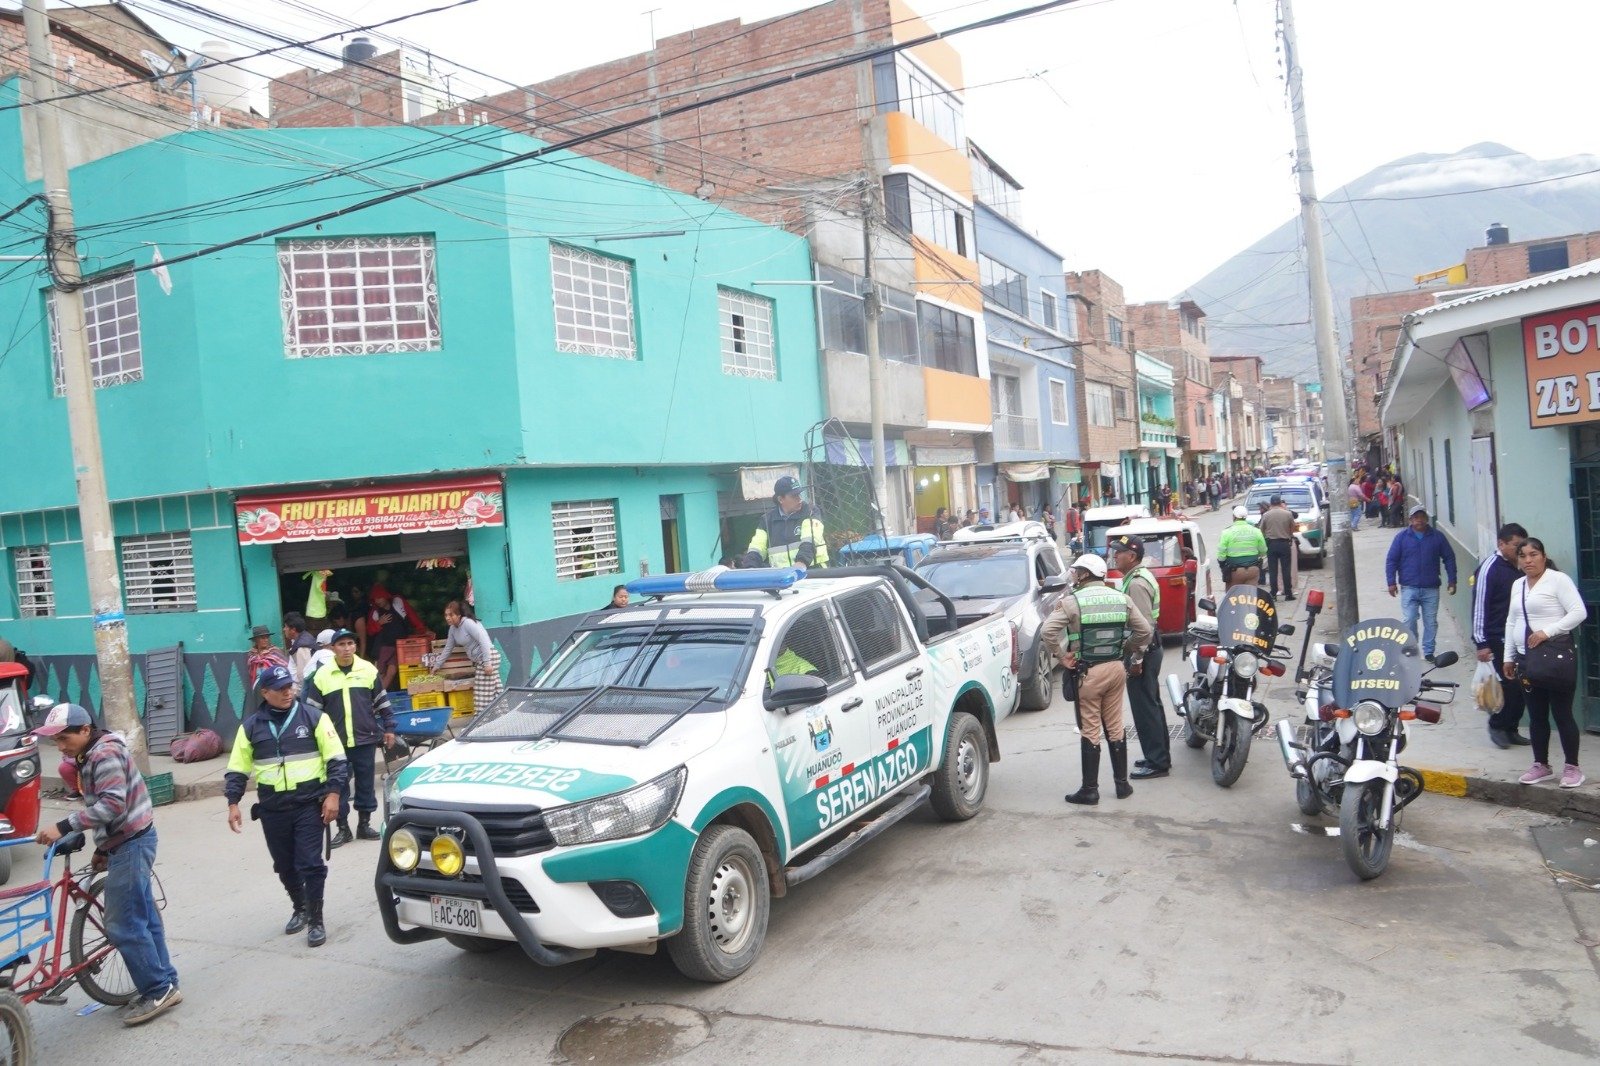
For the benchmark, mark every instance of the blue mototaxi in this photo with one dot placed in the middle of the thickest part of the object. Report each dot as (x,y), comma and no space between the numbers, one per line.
(910,548)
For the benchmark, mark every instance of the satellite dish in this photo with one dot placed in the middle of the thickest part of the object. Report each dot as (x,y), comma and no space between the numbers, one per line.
(160,66)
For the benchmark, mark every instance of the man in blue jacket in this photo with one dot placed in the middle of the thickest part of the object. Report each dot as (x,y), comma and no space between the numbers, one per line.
(1413,572)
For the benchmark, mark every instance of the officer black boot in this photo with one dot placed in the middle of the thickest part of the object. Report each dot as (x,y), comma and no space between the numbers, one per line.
(342,837)
(364,830)
(1089,794)
(1119,767)
(297,920)
(316,934)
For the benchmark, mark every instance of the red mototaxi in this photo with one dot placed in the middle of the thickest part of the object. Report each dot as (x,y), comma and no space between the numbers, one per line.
(1176,553)
(19,761)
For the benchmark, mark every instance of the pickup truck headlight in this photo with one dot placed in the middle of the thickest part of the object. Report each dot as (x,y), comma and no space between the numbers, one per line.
(640,809)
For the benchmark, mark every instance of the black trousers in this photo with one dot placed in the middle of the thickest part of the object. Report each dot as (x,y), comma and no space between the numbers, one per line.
(1280,558)
(1149,716)
(294,840)
(1509,716)
(362,780)
(1544,704)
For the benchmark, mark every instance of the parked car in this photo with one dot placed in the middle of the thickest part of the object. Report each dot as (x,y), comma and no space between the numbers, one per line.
(1305,497)
(1015,569)
(1176,553)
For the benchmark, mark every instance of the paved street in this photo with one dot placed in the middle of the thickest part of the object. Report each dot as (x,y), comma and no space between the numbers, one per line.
(1186,924)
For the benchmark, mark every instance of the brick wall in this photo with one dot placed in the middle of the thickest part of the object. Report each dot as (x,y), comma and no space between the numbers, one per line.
(1374,336)
(1503,264)
(367,94)
(1103,363)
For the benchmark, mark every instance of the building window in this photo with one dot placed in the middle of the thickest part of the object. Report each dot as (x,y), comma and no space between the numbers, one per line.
(994,189)
(746,325)
(901,85)
(158,573)
(1449,484)
(1098,400)
(843,317)
(358,296)
(1114,330)
(948,340)
(1058,401)
(594,303)
(1190,321)
(1124,403)
(1546,257)
(36,588)
(1003,285)
(586,538)
(111,326)
(1048,313)
(1199,414)
(918,208)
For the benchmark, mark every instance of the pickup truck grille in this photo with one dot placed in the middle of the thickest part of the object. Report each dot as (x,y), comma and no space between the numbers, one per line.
(512,832)
(516,892)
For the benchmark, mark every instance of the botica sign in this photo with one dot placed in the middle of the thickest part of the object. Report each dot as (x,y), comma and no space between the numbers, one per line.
(1562,352)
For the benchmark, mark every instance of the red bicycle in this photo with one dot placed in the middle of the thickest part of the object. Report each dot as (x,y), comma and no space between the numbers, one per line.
(31,920)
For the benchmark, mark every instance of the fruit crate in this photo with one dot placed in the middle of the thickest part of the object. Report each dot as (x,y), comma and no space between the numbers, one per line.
(410,650)
(410,671)
(161,788)
(422,701)
(461,703)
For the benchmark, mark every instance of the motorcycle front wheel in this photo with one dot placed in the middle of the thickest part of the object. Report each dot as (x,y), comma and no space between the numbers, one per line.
(1366,847)
(1231,750)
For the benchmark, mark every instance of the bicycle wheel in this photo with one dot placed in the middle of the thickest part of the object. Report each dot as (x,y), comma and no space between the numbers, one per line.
(106,979)
(17,1048)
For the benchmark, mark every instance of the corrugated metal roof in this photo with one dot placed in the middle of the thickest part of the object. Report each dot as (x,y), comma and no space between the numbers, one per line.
(1582,270)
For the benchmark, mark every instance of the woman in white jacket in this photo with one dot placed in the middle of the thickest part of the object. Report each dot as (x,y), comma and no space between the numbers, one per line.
(1545,605)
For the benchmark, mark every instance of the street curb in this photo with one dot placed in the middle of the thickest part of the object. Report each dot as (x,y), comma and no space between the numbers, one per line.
(198,790)
(1545,799)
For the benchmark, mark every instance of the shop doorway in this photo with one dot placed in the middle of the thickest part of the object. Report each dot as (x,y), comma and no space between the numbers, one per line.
(1586,527)
(672,546)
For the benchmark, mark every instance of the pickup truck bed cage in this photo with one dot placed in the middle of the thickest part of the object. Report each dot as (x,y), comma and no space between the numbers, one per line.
(902,579)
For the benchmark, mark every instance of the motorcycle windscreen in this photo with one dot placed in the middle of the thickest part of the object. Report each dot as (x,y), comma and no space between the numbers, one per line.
(1247,617)
(1378,660)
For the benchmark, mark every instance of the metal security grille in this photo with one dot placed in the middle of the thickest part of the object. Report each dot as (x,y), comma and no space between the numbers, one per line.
(594,303)
(1058,401)
(358,295)
(746,334)
(36,588)
(586,538)
(158,573)
(111,325)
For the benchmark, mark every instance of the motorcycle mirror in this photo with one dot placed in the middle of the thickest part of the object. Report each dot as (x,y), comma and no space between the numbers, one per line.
(1443,659)
(1207,605)
(1286,630)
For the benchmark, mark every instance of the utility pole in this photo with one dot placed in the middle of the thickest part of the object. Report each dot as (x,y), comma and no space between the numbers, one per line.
(874,310)
(1337,427)
(88,464)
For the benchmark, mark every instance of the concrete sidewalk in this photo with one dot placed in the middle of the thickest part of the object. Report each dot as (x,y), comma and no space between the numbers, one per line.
(1455,756)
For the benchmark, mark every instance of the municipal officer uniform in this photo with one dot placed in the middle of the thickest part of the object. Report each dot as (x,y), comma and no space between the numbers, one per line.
(1096,628)
(358,705)
(792,537)
(1143,591)
(298,762)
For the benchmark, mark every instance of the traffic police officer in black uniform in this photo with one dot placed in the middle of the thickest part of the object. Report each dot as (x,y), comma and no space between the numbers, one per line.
(1143,591)
(300,769)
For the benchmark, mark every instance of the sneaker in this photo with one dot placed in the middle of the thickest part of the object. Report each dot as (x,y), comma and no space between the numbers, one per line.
(1536,773)
(149,1006)
(1571,776)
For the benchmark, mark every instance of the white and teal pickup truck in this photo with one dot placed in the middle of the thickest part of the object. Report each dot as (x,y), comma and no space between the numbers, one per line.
(679,762)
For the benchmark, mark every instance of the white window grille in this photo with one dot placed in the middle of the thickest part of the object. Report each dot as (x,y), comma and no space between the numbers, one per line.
(1098,398)
(586,538)
(746,320)
(1058,401)
(36,587)
(358,296)
(158,573)
(594,303)
(111,327)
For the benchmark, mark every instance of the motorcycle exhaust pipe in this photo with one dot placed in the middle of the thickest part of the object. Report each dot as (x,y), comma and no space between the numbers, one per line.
(1293,753)
(1175,694)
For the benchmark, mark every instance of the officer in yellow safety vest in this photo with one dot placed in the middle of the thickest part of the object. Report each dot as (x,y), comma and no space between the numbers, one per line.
(1092,631)
(300,772)
(1144,681)
(790,534)
(356,702)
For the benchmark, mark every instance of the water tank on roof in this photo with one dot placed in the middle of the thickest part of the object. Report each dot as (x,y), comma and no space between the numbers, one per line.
(1497,234)
(359,50)
(229,85)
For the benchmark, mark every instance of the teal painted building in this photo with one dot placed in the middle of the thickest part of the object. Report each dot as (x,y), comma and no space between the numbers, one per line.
(630,398)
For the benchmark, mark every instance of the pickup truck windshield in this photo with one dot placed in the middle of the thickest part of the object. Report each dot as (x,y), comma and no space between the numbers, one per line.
(1299,500)
(979,577)
(644,657)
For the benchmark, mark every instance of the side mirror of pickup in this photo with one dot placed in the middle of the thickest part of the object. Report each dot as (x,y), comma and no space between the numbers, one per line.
(1053,583)
(795,690)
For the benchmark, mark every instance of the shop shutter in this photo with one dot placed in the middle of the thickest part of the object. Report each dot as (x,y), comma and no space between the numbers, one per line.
(332,554)
(163,697)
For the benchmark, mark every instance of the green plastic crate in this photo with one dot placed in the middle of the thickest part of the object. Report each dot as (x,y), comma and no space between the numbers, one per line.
(162,790)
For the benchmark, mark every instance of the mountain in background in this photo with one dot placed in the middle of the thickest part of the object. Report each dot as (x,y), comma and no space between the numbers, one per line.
(1382,230)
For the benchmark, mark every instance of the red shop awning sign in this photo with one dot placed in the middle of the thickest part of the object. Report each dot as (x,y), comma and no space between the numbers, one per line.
(374,511)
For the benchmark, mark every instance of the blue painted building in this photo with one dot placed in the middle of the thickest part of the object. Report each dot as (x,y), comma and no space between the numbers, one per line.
(489,390)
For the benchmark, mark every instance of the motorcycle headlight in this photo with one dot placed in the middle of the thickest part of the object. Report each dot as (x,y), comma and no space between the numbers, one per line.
(641,809)
(1246,663)
(1371,717)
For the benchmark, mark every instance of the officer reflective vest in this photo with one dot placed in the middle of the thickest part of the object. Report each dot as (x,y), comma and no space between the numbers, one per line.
(1241,541)
(788,540)
(1142,573)
(1102,623)
(295,755)
(353,698)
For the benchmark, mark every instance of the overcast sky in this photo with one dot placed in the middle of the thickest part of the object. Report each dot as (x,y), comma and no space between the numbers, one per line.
(1151,135)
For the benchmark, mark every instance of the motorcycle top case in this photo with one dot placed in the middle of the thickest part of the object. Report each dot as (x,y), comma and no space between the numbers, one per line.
(1379,660)
(1247,617)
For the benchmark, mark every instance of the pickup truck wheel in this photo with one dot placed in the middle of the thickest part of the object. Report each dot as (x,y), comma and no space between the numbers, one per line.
(476,945)
(726,903)
(961,782)
(1041,688)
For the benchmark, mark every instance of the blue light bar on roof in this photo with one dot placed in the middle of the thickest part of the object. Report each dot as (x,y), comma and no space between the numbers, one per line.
(717,579)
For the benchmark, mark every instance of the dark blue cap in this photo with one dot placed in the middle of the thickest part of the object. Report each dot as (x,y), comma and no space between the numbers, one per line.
(274,677)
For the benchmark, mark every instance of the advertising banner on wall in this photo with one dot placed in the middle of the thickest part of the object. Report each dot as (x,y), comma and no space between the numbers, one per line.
(371,511)
(1562,353)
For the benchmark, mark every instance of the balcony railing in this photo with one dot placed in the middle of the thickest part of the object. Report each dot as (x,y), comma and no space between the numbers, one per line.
(1157,434)
(1016,431)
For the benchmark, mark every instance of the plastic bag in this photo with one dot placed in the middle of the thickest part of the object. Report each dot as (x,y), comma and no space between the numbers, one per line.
(1486,689)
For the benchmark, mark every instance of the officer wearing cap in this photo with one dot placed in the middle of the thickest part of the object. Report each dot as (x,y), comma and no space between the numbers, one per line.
(1143,591)
(1091,631)
(349,690)
(1277,528)
(790,534)
(1240,550)
(300,769)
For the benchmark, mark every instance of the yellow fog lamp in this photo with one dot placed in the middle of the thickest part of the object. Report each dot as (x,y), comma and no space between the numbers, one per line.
(448,858)
(404,850)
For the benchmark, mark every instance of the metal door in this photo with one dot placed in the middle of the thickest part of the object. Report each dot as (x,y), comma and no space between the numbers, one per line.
(163,698)
(1586,530)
